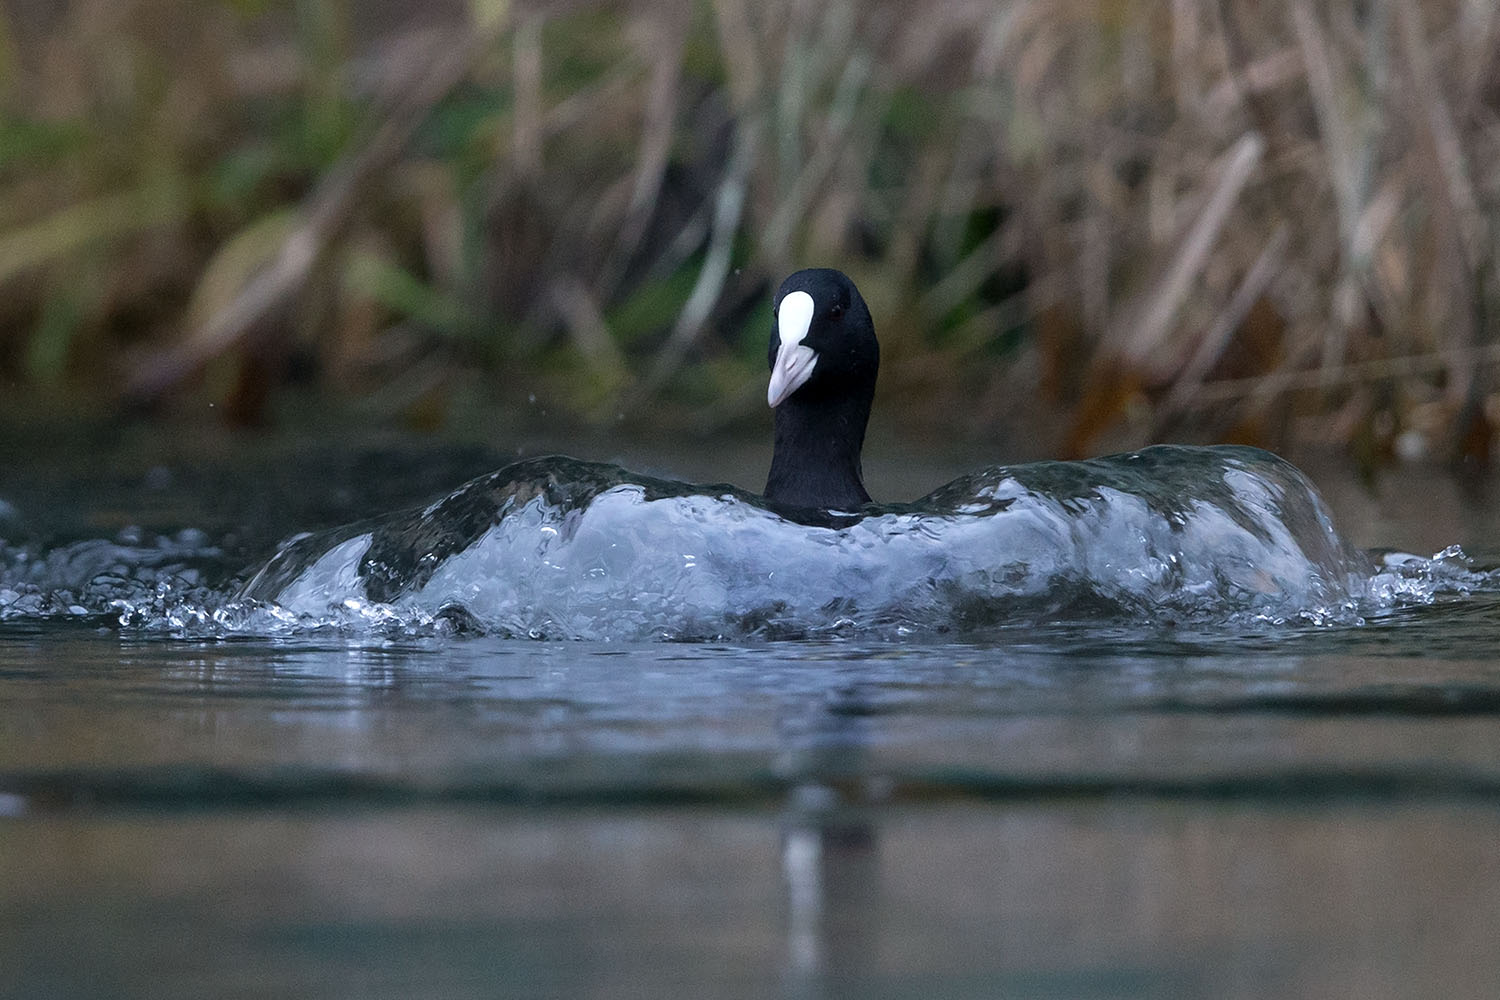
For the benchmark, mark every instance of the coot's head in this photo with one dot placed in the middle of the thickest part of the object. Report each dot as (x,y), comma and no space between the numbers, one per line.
(824,359)
(823,340)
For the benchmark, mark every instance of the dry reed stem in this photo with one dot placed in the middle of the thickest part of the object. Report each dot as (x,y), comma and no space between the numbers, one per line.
(1447,150)
(1211,348)
(526,124)
(959,160)
(664,52)
(326,212)
(575,302)
(1166,300)
(1292,379)
(1457,214)
(729,205)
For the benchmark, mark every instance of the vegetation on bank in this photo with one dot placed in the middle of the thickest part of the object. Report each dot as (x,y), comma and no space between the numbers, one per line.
(1100,222)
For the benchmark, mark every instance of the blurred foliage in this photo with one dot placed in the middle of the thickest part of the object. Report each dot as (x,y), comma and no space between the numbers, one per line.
(1081,224)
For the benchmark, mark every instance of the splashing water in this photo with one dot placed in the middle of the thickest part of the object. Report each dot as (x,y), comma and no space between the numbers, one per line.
(558,548)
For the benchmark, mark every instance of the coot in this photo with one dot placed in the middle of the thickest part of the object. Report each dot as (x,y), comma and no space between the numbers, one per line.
(824,359)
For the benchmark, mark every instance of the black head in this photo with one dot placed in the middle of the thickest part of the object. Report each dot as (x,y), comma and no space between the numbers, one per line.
(824,360)
(823,341)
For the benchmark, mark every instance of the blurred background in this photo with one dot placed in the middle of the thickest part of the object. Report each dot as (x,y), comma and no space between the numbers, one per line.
(1081,226)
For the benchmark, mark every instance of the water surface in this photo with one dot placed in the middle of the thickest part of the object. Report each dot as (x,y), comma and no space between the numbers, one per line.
(1118,807)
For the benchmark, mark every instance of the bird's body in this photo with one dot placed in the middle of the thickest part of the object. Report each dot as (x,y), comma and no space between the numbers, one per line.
(824,360)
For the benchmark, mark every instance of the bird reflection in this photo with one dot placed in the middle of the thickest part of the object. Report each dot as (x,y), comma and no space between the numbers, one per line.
(829,854)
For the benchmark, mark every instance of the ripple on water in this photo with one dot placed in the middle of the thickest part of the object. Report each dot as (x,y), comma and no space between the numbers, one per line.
(558,548)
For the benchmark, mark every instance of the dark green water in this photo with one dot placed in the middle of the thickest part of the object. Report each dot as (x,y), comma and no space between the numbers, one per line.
(1065,811)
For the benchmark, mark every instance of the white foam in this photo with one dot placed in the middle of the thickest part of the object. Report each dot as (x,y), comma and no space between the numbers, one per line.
(577,551)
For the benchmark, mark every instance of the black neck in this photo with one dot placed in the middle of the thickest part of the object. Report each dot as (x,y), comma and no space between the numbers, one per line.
(816,461)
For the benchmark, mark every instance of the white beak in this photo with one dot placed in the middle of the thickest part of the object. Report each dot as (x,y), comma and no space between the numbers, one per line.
(794,360)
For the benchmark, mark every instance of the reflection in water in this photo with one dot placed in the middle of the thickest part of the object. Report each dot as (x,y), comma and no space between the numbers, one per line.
(832,870)
(1064,815)
(802,864)
(360,807)
(830,853)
